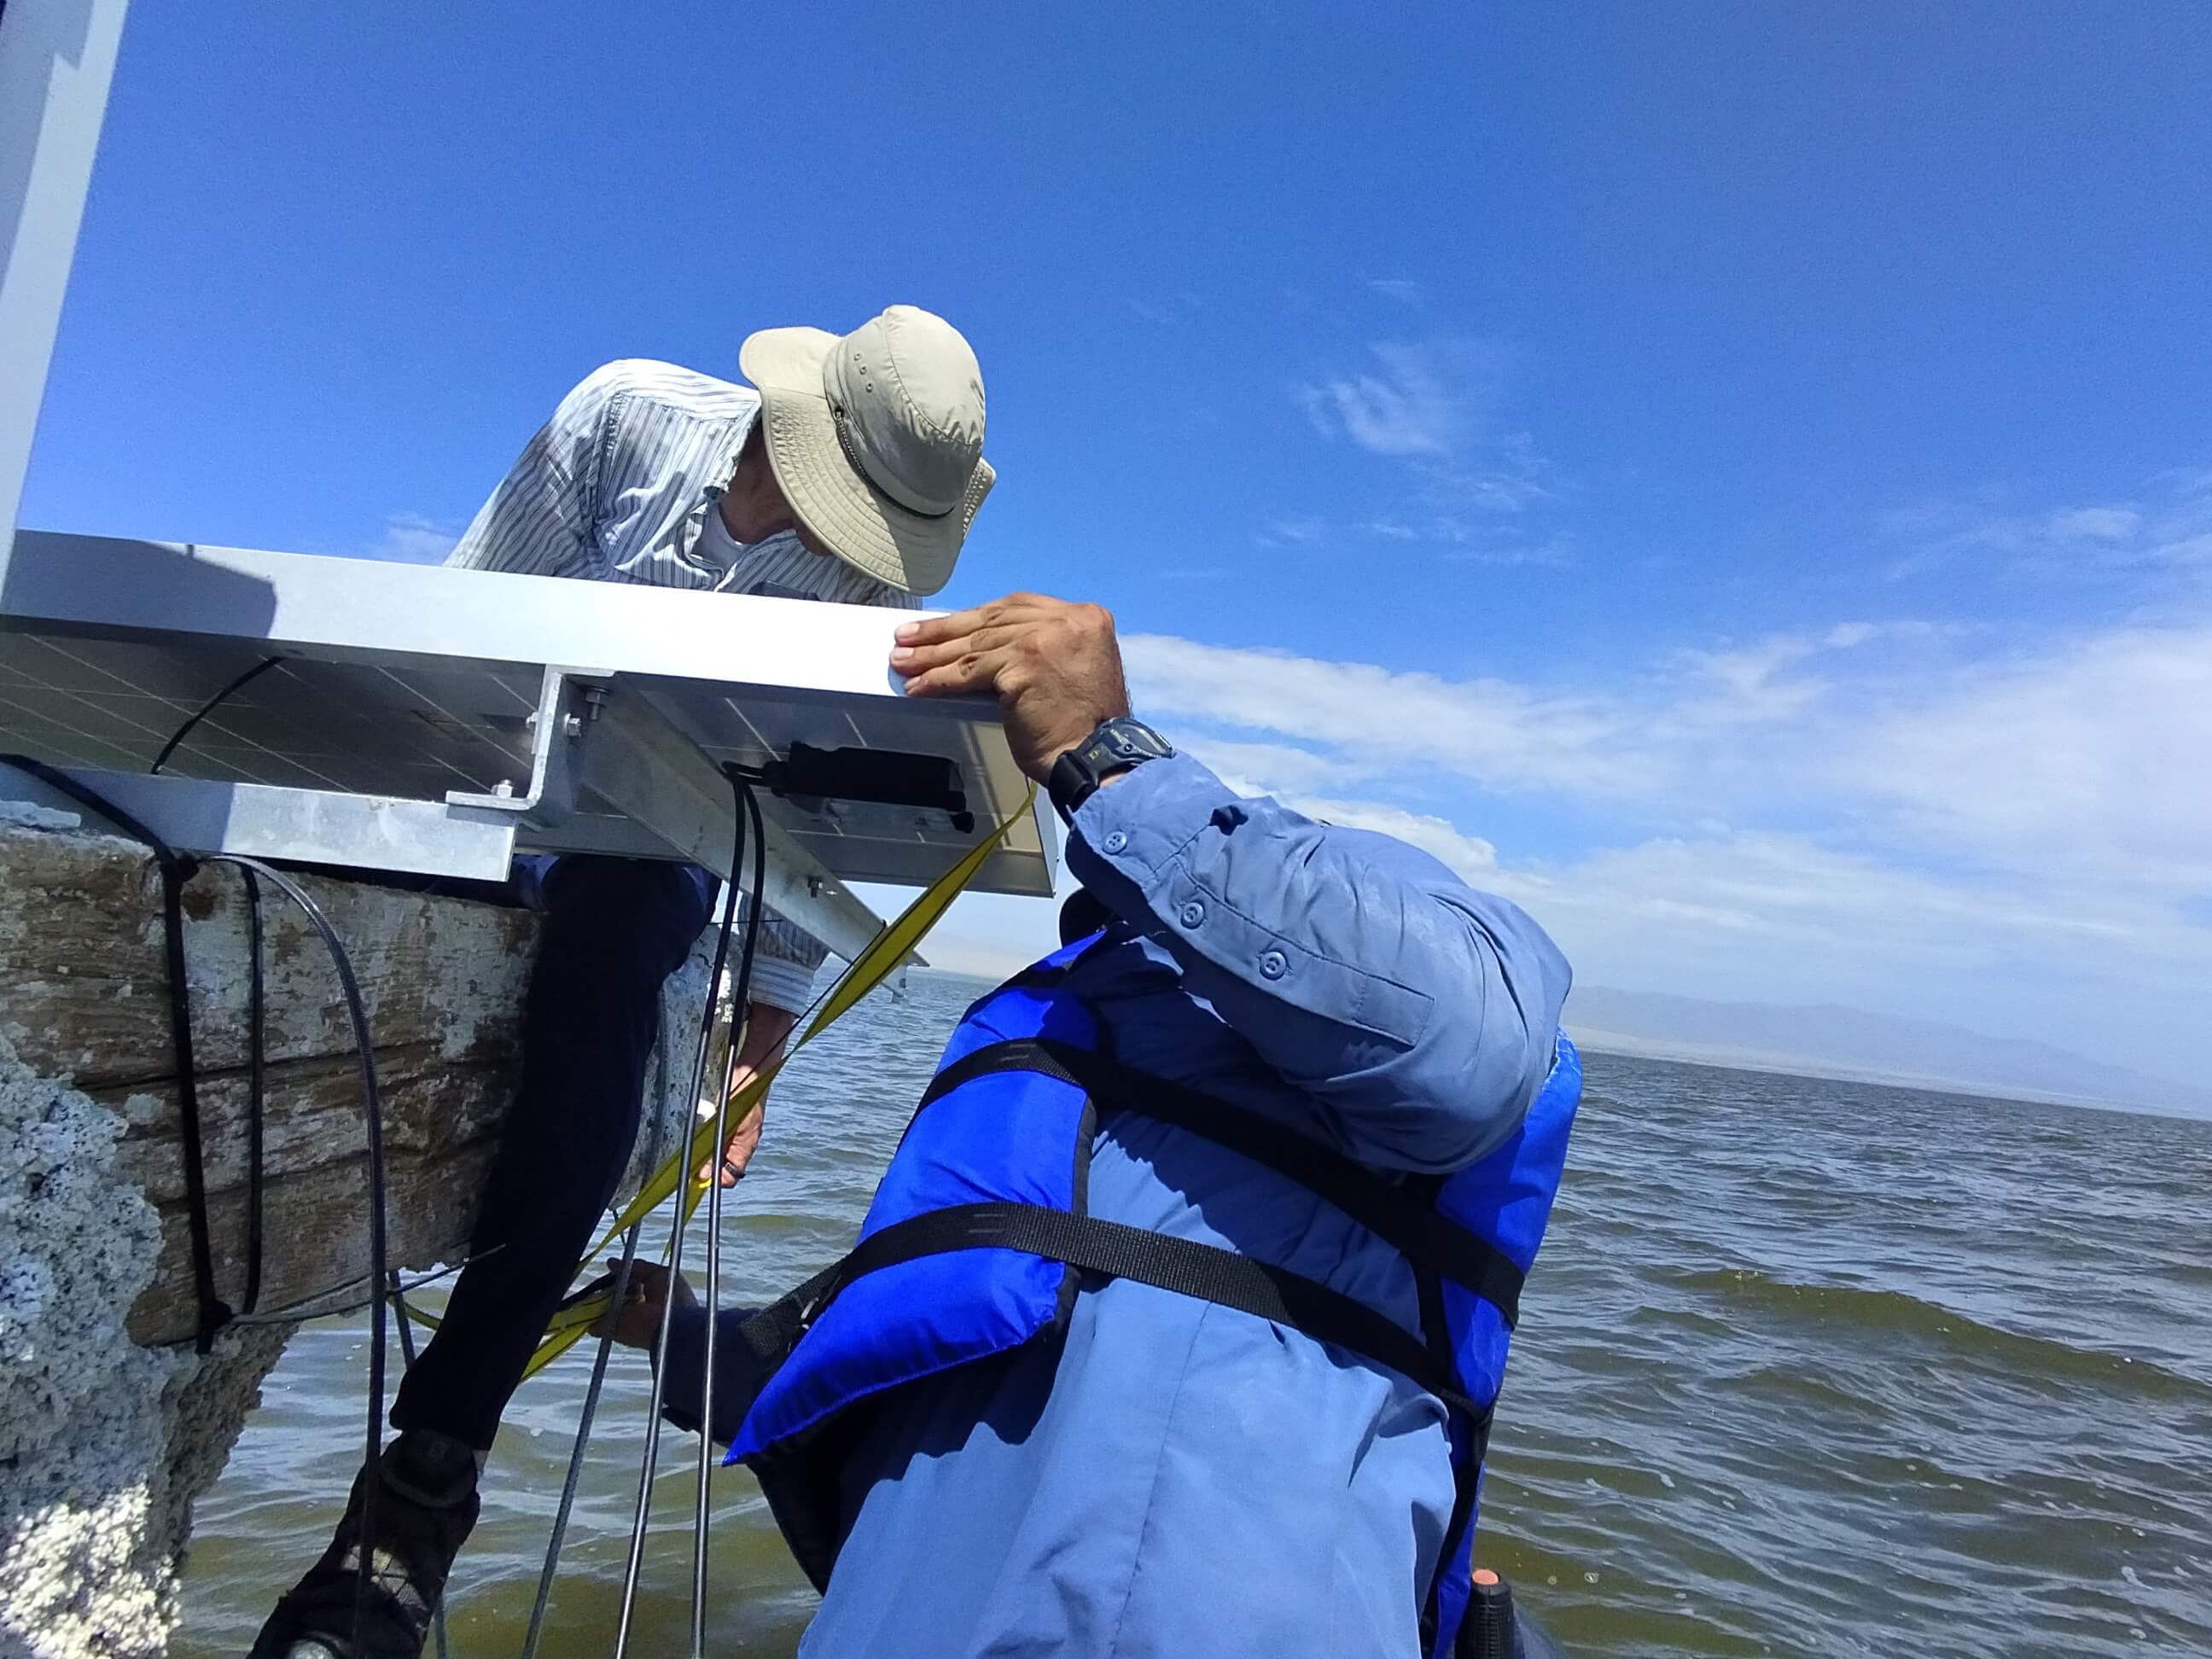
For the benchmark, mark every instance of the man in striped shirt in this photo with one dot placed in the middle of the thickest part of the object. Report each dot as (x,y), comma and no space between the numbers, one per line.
(848,470)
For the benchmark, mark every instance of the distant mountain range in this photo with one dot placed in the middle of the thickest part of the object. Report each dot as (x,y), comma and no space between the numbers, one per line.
(1833,1042)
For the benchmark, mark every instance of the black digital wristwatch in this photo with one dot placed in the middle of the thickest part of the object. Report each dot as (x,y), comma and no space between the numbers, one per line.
(1115,745)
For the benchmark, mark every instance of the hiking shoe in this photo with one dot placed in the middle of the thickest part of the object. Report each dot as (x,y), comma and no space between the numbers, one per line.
(426,1503)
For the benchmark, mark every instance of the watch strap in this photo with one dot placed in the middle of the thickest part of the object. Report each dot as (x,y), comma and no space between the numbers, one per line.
(1113,745)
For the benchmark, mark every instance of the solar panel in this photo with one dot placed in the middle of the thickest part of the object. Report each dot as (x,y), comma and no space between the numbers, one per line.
(401,727)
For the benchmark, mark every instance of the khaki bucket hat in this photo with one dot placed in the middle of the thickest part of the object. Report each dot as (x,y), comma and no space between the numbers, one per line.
(877,440)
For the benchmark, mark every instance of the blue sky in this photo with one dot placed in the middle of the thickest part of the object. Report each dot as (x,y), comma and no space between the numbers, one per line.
(1736,479)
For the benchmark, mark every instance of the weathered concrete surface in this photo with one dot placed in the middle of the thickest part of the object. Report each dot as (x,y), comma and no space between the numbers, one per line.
(83,994)
(103,1444)
(110,1426)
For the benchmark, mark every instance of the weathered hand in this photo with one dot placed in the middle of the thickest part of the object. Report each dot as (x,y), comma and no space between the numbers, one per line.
(635,1322)
(1054,667)
(766,1028)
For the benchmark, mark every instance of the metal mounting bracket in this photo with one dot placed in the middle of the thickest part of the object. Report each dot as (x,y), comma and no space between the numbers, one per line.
(307,826)
(569,702)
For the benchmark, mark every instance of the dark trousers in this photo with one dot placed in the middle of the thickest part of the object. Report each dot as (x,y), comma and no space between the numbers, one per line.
(615,929)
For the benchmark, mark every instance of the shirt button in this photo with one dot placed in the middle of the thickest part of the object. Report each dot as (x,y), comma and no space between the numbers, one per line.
(1273,965)
(1114,843)
(1192,914)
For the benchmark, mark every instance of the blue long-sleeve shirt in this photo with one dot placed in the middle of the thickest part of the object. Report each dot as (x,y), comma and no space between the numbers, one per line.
(1174,1477)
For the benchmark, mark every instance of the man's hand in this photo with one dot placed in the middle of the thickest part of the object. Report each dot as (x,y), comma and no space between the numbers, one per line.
(635,1321)
(1054,668)
(766,1027)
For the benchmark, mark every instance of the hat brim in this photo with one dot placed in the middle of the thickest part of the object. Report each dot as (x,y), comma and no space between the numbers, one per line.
(857,522)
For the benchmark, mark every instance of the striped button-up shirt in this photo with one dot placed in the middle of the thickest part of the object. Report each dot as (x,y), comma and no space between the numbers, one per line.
(616,487)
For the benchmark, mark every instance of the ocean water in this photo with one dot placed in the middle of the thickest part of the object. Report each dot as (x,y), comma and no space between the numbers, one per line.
(1806,1367)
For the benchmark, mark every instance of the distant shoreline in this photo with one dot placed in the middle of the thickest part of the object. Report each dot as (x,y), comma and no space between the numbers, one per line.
(1773,1064)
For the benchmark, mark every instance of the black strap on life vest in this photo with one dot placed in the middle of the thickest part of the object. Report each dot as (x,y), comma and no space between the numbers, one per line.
(1401,1216)
(1184,1266)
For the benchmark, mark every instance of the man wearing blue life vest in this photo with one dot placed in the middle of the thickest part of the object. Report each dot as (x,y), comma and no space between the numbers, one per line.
(1175,1323)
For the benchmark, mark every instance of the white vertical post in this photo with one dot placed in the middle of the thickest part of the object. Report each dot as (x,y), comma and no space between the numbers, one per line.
(56,57)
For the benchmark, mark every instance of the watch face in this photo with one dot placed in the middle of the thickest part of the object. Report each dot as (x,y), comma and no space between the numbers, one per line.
(1132,740)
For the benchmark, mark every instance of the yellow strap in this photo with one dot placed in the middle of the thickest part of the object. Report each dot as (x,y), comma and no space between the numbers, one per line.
(892,946)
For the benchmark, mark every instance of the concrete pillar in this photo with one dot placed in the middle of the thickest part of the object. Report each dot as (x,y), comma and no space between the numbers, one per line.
(110,1424)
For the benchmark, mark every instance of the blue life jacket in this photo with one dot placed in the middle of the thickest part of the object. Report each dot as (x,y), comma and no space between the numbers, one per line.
(980,1235)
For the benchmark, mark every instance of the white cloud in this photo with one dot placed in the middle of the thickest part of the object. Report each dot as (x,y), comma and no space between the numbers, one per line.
(1272,769)
(1404,289)
(1486,729)
(410,539)
(1292,532)
(2082,764)
(2096,524)
(2185,550)
(1430,407)
(2169,524)
(1406,408)
(2094,756)
(1749,681)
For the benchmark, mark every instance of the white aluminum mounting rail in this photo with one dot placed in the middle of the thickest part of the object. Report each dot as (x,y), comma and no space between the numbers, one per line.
(439,721)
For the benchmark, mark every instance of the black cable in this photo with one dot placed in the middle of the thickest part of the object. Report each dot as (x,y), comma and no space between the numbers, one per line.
(176,869)
(373,1104)
(636,1565)
(744,805)
(209,708)
(256,1090)
(752,774)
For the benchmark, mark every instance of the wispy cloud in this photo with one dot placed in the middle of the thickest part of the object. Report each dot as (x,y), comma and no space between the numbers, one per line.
(1430,406)
(410,539)
(2168,525)
(1452,538)
(2089,758)
(1455,474)
(2095,524)
(1486,730)
(1508,549)
(1293,532)
(1163,309)
(1403,290)
(1408,404)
